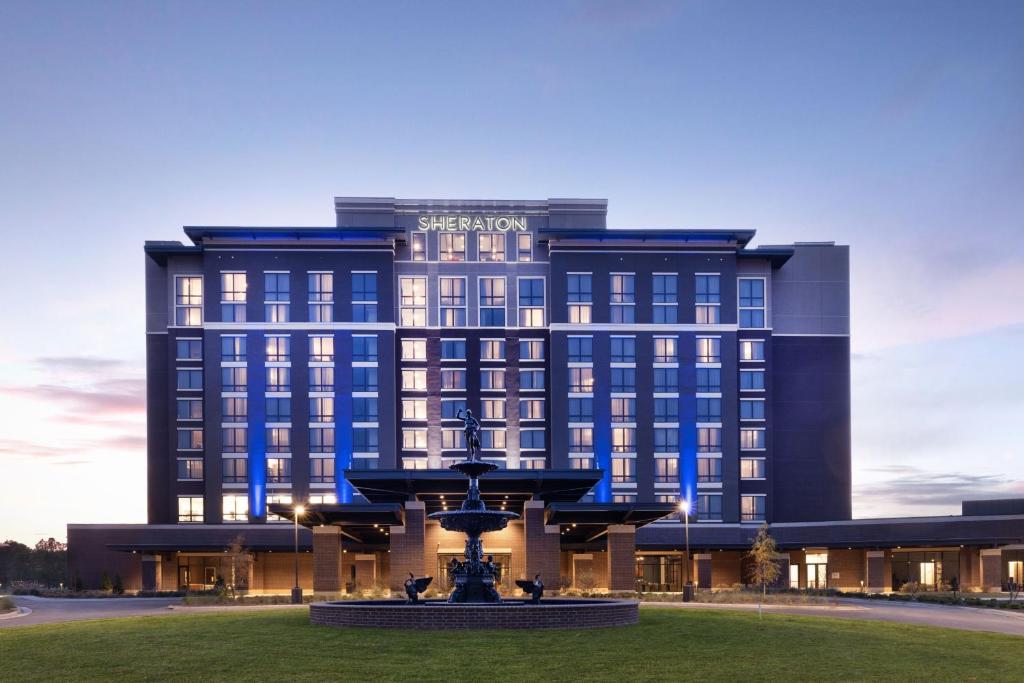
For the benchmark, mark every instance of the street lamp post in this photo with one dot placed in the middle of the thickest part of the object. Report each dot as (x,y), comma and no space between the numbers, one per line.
(684,505)
(297,590)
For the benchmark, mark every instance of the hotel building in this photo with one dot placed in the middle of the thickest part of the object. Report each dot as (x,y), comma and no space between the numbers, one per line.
(615,373)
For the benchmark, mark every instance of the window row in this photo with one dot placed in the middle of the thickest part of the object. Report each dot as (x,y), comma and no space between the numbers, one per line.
(415,349)
(415,409)
(454,379)
(415,438)
(452,302)
(365,439)
(277,348)
(491,246)
(278,379)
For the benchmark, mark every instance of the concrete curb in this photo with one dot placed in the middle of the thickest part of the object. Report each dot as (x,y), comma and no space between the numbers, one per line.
(16,612)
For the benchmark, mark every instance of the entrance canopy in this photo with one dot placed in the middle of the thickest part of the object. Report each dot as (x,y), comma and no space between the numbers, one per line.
(585,522)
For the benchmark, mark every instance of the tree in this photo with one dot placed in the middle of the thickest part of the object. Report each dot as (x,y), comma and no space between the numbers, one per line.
(239,561)
(106,583)
(764,567)
(118,586)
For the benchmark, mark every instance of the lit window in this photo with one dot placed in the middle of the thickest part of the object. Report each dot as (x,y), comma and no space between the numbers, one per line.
(524,247)
(414,463)
(453,301)
(279,440)
(493,409)
(364,297)
(752,302)
(453,439)
(708,298)
(414,409)
(581,440)
(364,348)
(190,408)
(666,350)
(531,463)
(623,440)
(580,296)
(628,498)
(531,409)
(190,509)
(235,507)
(752,349)
(321,297)
(419,246)
(709,470)
(623,410)
(278,379)
(491,246)
(321,379)
(531,349)
(321,471)
(232,348)
(492,349)
(581,349)
(453,246)
(709,507)
(666,470)
(623,298)
(709,439)
(752,439)
(279,349)
(321,409)
(414,439)
(578,463)
(531,380)
(666,298)
(190,469)
(492,439)
(414,380)
(321,349)
(323,498)
(709,350)
(492,302)
(412,301)
(234,470)
(531,302)
(188,301)
(623,349)
(414,349)
(277,498)
(751,468)
(454,379)
(321,439)
(491,380)
(581,380)
(276,297)
(233,288)
(189,349)
(190,439)
(623,470)
(752,508)
(234,379)
(234,439)
(279,470)
(234,409)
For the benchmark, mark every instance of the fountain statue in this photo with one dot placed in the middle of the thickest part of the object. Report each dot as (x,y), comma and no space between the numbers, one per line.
(474,578)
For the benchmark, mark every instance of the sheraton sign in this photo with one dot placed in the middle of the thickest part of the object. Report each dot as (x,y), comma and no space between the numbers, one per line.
(463,223)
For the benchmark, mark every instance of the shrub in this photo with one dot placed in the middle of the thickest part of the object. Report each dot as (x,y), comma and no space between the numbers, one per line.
(118,587)
(585,581)
(6,604)
(910,588)
(106,583)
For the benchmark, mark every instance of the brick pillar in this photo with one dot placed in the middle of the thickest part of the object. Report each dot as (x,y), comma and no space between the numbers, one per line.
(327,577)
(621,557)
(878,579)
(542,547)
(702,575)
(991,574)
(151,573)
(407,549)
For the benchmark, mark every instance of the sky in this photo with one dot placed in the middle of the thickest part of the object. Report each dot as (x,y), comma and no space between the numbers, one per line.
(894,127)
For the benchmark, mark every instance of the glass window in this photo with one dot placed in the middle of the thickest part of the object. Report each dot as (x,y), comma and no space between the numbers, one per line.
(491,379)
(709,439)
(709,470)
(578,463)
(452,246)
(751,349)
(278,349)
(531,302)
(531,439)
(581,440)
(364,440)
(709,507)
(491,246)
(581,410)
(623,380)
(321,409)
(232,297)
(234,439)
(364,297)
(234,470)
(580,297)
(450,408)
(752,380)
(524,247)
(581,380)
(189,349)
(276,295)
(234,379)
(414,439)
(581,349)
(190,439)
(623,410)
(752,302)
(279,440)
(364,409)
(709,410)
(414,380)
(531,379)
(752,439)
(232,348)
(623,298)
(321,470)
(414,349)
(190,408)
(623,349)
(190,469)
(492,349)
(190,379)
(628,498)
(666,470)
(666,297)
(666,440)
(278,409)
(321,379)
(455,379)
(452,439)
(364,348)
(752,508)
(412,301)
(278,379)
(623,470)
(453,349)
(492,301)
(531,349)
(709,350)
(751,468)
(234,409)
(623,440)
(419,246)
(709,380)
(492,439)
(414,409)
(751,409)
(321,297)
(321,439)
(493,409)
(666,410)
(190,509)
(666,350)
(235,507)
(321,349)
(188,301)
(453,301)
(666,380)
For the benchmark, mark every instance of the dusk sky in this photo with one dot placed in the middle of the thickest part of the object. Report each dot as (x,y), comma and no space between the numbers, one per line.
(894,127)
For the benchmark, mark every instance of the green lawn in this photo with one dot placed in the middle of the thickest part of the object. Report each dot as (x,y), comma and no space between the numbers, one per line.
(668,644)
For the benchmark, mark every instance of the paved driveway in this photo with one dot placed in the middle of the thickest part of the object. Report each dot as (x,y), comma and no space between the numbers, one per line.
(965,618)
(52,610)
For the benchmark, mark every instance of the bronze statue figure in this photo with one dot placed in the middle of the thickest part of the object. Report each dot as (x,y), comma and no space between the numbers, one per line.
(472,430)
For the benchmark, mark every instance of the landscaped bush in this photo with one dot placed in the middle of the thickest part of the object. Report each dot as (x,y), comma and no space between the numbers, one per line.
(6,604)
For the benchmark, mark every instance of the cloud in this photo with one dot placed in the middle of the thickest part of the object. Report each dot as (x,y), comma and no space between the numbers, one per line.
(57,452)
(80,363)
(917,491)
(111,396)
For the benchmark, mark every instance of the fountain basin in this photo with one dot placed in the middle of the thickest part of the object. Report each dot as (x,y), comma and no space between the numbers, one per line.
(507,614)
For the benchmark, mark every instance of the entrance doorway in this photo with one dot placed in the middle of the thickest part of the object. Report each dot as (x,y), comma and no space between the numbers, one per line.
(794,576)
(817,570)
(927,574)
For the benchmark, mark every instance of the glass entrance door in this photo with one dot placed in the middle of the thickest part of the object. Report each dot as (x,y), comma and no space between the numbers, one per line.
(817,577)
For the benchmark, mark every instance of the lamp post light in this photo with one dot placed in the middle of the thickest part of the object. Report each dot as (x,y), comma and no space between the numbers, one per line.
(297,590)
(684,507)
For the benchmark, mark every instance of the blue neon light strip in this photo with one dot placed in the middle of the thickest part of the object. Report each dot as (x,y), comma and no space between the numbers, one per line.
(257,381)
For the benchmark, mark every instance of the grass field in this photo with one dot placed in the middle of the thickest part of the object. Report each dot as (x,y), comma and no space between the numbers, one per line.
(667,645)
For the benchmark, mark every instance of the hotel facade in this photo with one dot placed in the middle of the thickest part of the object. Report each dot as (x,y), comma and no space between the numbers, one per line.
(614,372)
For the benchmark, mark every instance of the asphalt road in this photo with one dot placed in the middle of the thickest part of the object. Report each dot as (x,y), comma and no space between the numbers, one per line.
(964,618)
(53,610)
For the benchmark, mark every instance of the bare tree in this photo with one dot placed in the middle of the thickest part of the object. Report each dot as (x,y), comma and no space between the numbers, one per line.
(239,561)
(764,567)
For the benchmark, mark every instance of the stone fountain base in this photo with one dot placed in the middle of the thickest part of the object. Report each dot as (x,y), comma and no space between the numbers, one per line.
(508,614)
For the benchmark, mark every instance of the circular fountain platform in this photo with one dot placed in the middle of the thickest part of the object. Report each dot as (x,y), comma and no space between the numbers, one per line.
(508,614)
